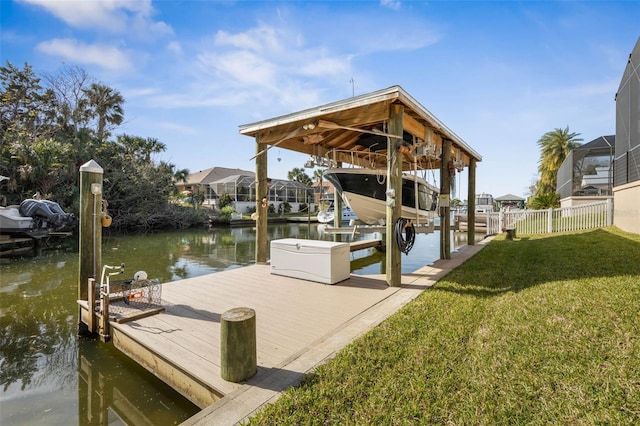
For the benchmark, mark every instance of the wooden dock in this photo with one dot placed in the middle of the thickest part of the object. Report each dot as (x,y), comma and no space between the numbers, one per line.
(364,244)
(299,325)
(35,242)
(181,344)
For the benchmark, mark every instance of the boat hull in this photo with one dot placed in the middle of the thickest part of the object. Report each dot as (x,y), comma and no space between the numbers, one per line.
(364,191)
(12,222)
(33,217)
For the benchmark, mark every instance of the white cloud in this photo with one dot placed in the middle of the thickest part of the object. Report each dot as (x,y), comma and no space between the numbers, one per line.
(140,92)
(262,38)
(178,128)
(272,67)
(175,47)
(105,56)
(116,16)
(325,67)
(239,68)
(391,4)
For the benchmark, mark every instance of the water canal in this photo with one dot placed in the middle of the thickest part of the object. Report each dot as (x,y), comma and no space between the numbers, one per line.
(50,376)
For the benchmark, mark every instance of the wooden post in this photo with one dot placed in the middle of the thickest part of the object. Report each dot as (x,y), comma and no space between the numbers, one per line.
(104,329)
(238,349)
(91,304)
(262,202)
(445,192)
(394,182)
(471,204)
(90,229)
(337,205)
(37,247)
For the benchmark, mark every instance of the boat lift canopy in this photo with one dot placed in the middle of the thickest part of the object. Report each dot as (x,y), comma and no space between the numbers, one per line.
(349,131)
(361,131)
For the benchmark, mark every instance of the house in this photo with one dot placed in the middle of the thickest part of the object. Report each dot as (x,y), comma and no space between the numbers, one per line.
(510,202)
(201,181)
(626,163)
(240,185)
(586,174)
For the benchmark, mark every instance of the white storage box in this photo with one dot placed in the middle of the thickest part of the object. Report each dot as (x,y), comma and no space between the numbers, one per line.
(322,261)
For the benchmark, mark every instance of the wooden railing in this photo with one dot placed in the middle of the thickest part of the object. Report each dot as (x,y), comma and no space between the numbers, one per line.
(564,219)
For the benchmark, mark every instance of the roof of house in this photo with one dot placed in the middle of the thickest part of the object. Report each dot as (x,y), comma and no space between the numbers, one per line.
(509,197)
(599,143)
(205,177)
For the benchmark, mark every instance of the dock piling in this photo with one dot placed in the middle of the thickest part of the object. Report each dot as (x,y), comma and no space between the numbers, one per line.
(90,230)
(238,344)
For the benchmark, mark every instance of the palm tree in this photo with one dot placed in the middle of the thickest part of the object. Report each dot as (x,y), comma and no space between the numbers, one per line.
(554,148)
(106,104)
(139,147)
(318,177)
(298,175)
(181,175)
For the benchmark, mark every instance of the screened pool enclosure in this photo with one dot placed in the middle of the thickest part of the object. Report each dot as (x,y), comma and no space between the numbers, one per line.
(242,190)
(587,171)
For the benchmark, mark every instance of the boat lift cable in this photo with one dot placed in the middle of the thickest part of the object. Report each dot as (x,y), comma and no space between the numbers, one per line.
(405,235)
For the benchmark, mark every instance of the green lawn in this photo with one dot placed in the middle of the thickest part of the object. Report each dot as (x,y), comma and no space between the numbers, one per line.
(542,330)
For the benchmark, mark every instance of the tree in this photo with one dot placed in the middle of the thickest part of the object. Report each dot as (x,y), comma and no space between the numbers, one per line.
(48,131)
(42,164)
(25,108)
(544,201)
(106,106)
(181,175)
(554,148)
(318,176)
(298,175)
(72,106)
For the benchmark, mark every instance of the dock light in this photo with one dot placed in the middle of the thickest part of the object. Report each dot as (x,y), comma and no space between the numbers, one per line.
(96,188)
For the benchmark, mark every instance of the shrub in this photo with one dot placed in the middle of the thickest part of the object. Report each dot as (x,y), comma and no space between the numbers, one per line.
(225,212)
(225,200)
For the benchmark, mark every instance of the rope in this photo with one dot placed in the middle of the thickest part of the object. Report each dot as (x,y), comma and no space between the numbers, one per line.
(405,235)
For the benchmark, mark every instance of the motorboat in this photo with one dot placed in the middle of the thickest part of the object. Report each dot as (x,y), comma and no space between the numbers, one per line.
(364,191)
(12,222)
(34,216)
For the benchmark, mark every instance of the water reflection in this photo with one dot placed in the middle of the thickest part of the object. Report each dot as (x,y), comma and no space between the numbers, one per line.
(50,376)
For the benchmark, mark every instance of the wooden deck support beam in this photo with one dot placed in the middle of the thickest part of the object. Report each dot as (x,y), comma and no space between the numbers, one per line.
(394,183)
(262,202)
(445,198)
(471,204)
(91,303)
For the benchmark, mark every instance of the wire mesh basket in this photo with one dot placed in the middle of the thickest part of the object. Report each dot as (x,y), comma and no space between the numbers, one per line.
(142,293)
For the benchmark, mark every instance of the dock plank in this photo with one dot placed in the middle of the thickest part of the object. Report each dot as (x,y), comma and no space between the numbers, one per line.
(291,314)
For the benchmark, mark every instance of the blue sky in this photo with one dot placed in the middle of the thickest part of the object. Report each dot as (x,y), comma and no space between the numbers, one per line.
(499,74)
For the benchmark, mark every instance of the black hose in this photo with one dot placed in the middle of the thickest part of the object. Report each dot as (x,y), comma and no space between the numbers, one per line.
(405,235)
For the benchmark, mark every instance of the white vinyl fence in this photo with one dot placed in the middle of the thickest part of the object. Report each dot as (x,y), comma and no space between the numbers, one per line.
(564,219)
